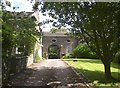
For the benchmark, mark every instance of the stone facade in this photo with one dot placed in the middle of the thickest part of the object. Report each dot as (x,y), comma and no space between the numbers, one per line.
(65,43)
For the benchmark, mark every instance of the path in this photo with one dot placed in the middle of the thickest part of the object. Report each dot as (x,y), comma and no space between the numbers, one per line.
(50,72)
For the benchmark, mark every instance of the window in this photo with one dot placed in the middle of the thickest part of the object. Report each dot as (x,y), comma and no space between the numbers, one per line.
(68,41)
(54,40)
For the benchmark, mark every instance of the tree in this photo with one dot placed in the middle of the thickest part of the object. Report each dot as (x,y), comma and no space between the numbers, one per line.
(96,23)
(18,32)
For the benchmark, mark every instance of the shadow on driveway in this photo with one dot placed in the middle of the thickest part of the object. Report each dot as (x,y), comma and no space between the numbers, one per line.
(49,73)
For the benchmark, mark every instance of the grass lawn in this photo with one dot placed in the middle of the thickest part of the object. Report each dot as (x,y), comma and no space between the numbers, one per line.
(94,70)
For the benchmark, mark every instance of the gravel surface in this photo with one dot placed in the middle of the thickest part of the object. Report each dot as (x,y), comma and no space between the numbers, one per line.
(53,73)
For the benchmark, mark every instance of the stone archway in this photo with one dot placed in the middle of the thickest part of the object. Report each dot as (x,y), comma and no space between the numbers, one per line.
(53,52)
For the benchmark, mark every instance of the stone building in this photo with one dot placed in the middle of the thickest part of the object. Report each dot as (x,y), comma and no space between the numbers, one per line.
(56,45)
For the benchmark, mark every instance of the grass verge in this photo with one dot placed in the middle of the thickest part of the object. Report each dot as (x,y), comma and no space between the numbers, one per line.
(94,70)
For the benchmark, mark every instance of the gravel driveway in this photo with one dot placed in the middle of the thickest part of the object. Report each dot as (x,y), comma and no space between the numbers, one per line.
(50,73)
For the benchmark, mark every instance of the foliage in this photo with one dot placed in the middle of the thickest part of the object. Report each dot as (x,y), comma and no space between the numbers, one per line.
(96,23)
(68,55)
(83,51)
(45,55)
(117,57)
(18,32)
(52,52)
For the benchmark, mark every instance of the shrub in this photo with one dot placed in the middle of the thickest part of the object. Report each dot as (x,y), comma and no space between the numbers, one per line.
(117,57)
(83,51)
(69,55)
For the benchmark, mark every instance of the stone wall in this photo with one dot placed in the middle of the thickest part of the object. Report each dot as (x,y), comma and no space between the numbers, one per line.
(66,43)
(30,60)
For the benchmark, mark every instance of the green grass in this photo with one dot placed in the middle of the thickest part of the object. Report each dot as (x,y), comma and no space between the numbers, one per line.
(94,70)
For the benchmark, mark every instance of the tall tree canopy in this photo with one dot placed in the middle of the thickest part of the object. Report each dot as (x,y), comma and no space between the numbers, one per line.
(97,23)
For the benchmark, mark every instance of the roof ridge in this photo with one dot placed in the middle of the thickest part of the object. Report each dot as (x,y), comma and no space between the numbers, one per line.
(54,34)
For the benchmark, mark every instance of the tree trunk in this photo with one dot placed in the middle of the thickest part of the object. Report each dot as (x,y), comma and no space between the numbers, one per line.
(107,70)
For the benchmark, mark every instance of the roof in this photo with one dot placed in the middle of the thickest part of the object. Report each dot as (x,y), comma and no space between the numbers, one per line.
(57,34)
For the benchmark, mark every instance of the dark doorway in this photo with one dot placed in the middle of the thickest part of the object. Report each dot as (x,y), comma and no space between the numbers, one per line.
(53,52)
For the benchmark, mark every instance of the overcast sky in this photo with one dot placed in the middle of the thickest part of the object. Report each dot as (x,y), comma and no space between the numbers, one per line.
(26,5)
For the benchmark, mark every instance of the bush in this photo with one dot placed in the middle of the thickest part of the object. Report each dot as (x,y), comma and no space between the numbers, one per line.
(83,51)
(117,57)
(69,55)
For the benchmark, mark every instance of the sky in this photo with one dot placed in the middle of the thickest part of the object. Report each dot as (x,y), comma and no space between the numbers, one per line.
(26,5)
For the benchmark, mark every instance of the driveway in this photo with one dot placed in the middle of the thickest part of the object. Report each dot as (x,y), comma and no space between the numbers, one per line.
(50,73)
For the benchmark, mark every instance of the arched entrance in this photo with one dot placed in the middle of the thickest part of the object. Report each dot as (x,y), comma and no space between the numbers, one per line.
(53,52)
